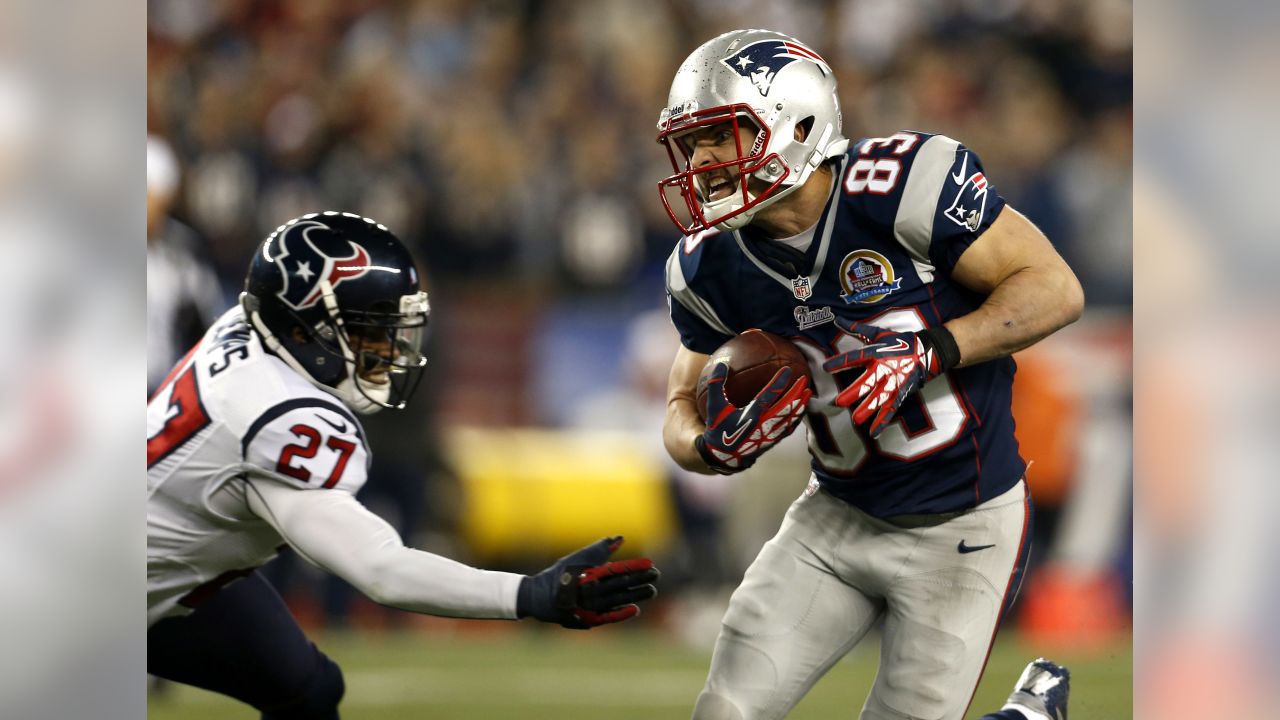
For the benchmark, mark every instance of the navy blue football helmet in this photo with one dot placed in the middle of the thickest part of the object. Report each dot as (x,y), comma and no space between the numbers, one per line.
(336,296)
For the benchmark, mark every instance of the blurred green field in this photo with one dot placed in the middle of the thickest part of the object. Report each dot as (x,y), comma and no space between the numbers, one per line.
(543,673)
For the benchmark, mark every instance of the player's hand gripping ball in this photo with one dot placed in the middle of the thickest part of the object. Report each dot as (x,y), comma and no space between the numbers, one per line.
(752,393)
(894,365)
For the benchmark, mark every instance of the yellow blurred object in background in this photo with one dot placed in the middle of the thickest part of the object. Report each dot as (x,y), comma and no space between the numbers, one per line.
(545,493)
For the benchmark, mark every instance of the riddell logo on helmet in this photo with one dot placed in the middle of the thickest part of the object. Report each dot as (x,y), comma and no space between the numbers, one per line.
(760,61)
(304,265)
(676,111)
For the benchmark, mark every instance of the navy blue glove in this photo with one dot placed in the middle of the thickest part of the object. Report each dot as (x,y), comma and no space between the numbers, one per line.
(894,364)
(735,436)
(584,589)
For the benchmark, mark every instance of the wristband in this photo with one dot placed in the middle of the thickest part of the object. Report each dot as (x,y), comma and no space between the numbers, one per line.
(944,345)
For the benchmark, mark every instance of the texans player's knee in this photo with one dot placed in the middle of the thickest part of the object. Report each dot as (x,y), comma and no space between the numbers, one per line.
(318,700)
(711,706)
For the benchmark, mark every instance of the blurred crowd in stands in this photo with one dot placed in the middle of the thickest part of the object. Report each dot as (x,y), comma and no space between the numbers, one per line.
(514,141)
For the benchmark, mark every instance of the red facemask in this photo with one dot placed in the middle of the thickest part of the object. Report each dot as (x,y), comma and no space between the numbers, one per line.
(686,177)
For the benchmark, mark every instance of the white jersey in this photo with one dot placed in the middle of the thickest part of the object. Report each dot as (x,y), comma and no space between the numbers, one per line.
(231,411)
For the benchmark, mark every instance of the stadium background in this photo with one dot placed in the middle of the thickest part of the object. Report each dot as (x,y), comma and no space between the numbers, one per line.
(511,144)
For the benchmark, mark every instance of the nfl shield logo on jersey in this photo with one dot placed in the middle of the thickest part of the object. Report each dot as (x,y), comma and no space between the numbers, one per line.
(801,288)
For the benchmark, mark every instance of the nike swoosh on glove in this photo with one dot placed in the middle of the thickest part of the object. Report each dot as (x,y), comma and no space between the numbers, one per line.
(894,365)
(585,589)
(735,437)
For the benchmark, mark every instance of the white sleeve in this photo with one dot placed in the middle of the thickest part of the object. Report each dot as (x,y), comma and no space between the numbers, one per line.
(333,531)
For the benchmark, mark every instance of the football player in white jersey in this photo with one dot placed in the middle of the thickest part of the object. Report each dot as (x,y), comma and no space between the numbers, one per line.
(252,444)
(890,262)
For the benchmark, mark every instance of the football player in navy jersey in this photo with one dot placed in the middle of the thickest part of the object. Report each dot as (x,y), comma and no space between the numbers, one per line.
(907,281)
(254,443)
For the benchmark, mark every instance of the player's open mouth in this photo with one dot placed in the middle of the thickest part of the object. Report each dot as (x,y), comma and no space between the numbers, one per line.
(719,187)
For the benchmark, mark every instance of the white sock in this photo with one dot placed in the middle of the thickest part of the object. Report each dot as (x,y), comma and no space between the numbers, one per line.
(1026,711)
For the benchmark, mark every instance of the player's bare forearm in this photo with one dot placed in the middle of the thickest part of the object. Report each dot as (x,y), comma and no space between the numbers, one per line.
(682,425)
(1031,291)
(681,428)
(1024,309)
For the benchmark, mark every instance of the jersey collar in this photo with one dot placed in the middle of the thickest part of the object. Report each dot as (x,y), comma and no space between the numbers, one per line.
(826,224)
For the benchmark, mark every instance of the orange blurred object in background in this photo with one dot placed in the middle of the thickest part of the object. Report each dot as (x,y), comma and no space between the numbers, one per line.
(1048,414)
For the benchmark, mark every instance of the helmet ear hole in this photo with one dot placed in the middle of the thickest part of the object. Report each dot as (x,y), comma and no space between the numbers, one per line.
(806,125)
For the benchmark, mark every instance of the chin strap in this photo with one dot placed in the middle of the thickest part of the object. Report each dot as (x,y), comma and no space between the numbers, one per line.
(269,338)
(365,401)
(739,221)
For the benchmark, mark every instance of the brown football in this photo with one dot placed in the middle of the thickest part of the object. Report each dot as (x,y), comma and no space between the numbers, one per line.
(753,357)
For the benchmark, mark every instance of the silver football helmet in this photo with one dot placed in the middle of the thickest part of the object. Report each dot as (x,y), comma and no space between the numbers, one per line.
(766,79)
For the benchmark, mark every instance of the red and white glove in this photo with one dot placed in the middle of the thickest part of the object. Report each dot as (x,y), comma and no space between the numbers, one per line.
(735,437)
(894,364)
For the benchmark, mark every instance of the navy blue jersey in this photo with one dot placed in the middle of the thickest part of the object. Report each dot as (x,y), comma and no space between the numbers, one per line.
(901,212)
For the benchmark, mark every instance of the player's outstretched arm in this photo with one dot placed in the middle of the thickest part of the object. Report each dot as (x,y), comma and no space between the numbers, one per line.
(333,531)
(1031,292)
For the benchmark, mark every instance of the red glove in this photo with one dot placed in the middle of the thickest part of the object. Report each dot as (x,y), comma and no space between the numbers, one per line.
(894,364)
(585,589)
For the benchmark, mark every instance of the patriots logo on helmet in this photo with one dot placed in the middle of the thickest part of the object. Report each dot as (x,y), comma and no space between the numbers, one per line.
(760,61)
(304,265)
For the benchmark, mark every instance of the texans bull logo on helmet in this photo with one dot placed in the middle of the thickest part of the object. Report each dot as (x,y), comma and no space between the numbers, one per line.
(304,264)
(760,61)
